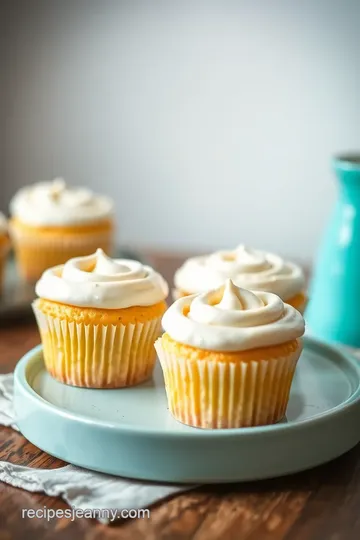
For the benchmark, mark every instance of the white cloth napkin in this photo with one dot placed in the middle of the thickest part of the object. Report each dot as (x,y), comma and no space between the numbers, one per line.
(81,489)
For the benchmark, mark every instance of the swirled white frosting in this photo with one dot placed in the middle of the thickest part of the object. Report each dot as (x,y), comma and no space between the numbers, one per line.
(232,319)
(248,268)
(56,204)
(101,282)
(3,224)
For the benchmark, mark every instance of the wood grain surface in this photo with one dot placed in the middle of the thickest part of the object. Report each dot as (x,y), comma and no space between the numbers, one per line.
(323,503)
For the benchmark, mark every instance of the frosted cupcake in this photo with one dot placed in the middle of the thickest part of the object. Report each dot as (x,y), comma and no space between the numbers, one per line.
(98,319)
(4,248)
(229,357)
(52,223)
(248,268)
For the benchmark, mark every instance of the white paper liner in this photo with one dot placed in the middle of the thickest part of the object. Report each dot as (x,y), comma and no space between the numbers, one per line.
(211,394)
(98,356)
(35,253)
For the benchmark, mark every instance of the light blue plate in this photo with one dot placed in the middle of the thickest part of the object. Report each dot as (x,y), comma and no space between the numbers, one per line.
(130,432)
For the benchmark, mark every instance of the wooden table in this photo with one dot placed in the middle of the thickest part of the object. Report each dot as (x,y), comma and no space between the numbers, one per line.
(320,504)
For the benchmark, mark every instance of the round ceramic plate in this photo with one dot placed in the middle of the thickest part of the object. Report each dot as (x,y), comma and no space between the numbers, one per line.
(129,432)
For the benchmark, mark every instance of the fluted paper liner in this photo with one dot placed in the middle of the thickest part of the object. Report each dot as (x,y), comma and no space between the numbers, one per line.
(98,356)
(212,394)
(36,253)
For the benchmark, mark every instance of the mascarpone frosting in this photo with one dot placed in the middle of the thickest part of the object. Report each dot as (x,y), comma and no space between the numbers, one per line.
(230,318)
(56,204)
(248,268)
(97,281)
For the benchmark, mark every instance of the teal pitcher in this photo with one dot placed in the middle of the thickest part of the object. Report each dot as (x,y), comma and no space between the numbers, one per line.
(333,312)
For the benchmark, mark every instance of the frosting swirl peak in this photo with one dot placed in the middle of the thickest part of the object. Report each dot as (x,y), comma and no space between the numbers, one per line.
(56,204)
(101,282)
(230,318)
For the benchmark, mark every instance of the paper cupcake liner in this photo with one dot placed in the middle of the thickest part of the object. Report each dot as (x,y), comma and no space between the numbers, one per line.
(98,356)
(211,394)
(35,254)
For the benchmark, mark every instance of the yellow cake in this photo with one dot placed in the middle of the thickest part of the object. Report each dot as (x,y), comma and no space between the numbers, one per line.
(98,320)
(52,223)
(248,268)
(229,356)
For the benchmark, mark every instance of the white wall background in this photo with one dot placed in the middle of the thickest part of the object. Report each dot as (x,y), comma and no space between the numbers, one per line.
(210,123)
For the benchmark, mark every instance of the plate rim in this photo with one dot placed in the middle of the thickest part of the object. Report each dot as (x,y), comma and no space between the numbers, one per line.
(22,384)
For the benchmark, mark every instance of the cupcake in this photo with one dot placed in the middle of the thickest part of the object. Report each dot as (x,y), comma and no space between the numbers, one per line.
(248,268)
(52,223)
(4,247)
(98,319)
(229,356)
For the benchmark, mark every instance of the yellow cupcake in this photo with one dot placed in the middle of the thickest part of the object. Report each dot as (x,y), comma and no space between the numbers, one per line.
(98,320)
(52,223)
(229,357)
(4,248)
(248,268)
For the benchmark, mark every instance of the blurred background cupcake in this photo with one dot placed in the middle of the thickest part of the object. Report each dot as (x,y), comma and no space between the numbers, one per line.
(248,268)
(52,222)
(4,247)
